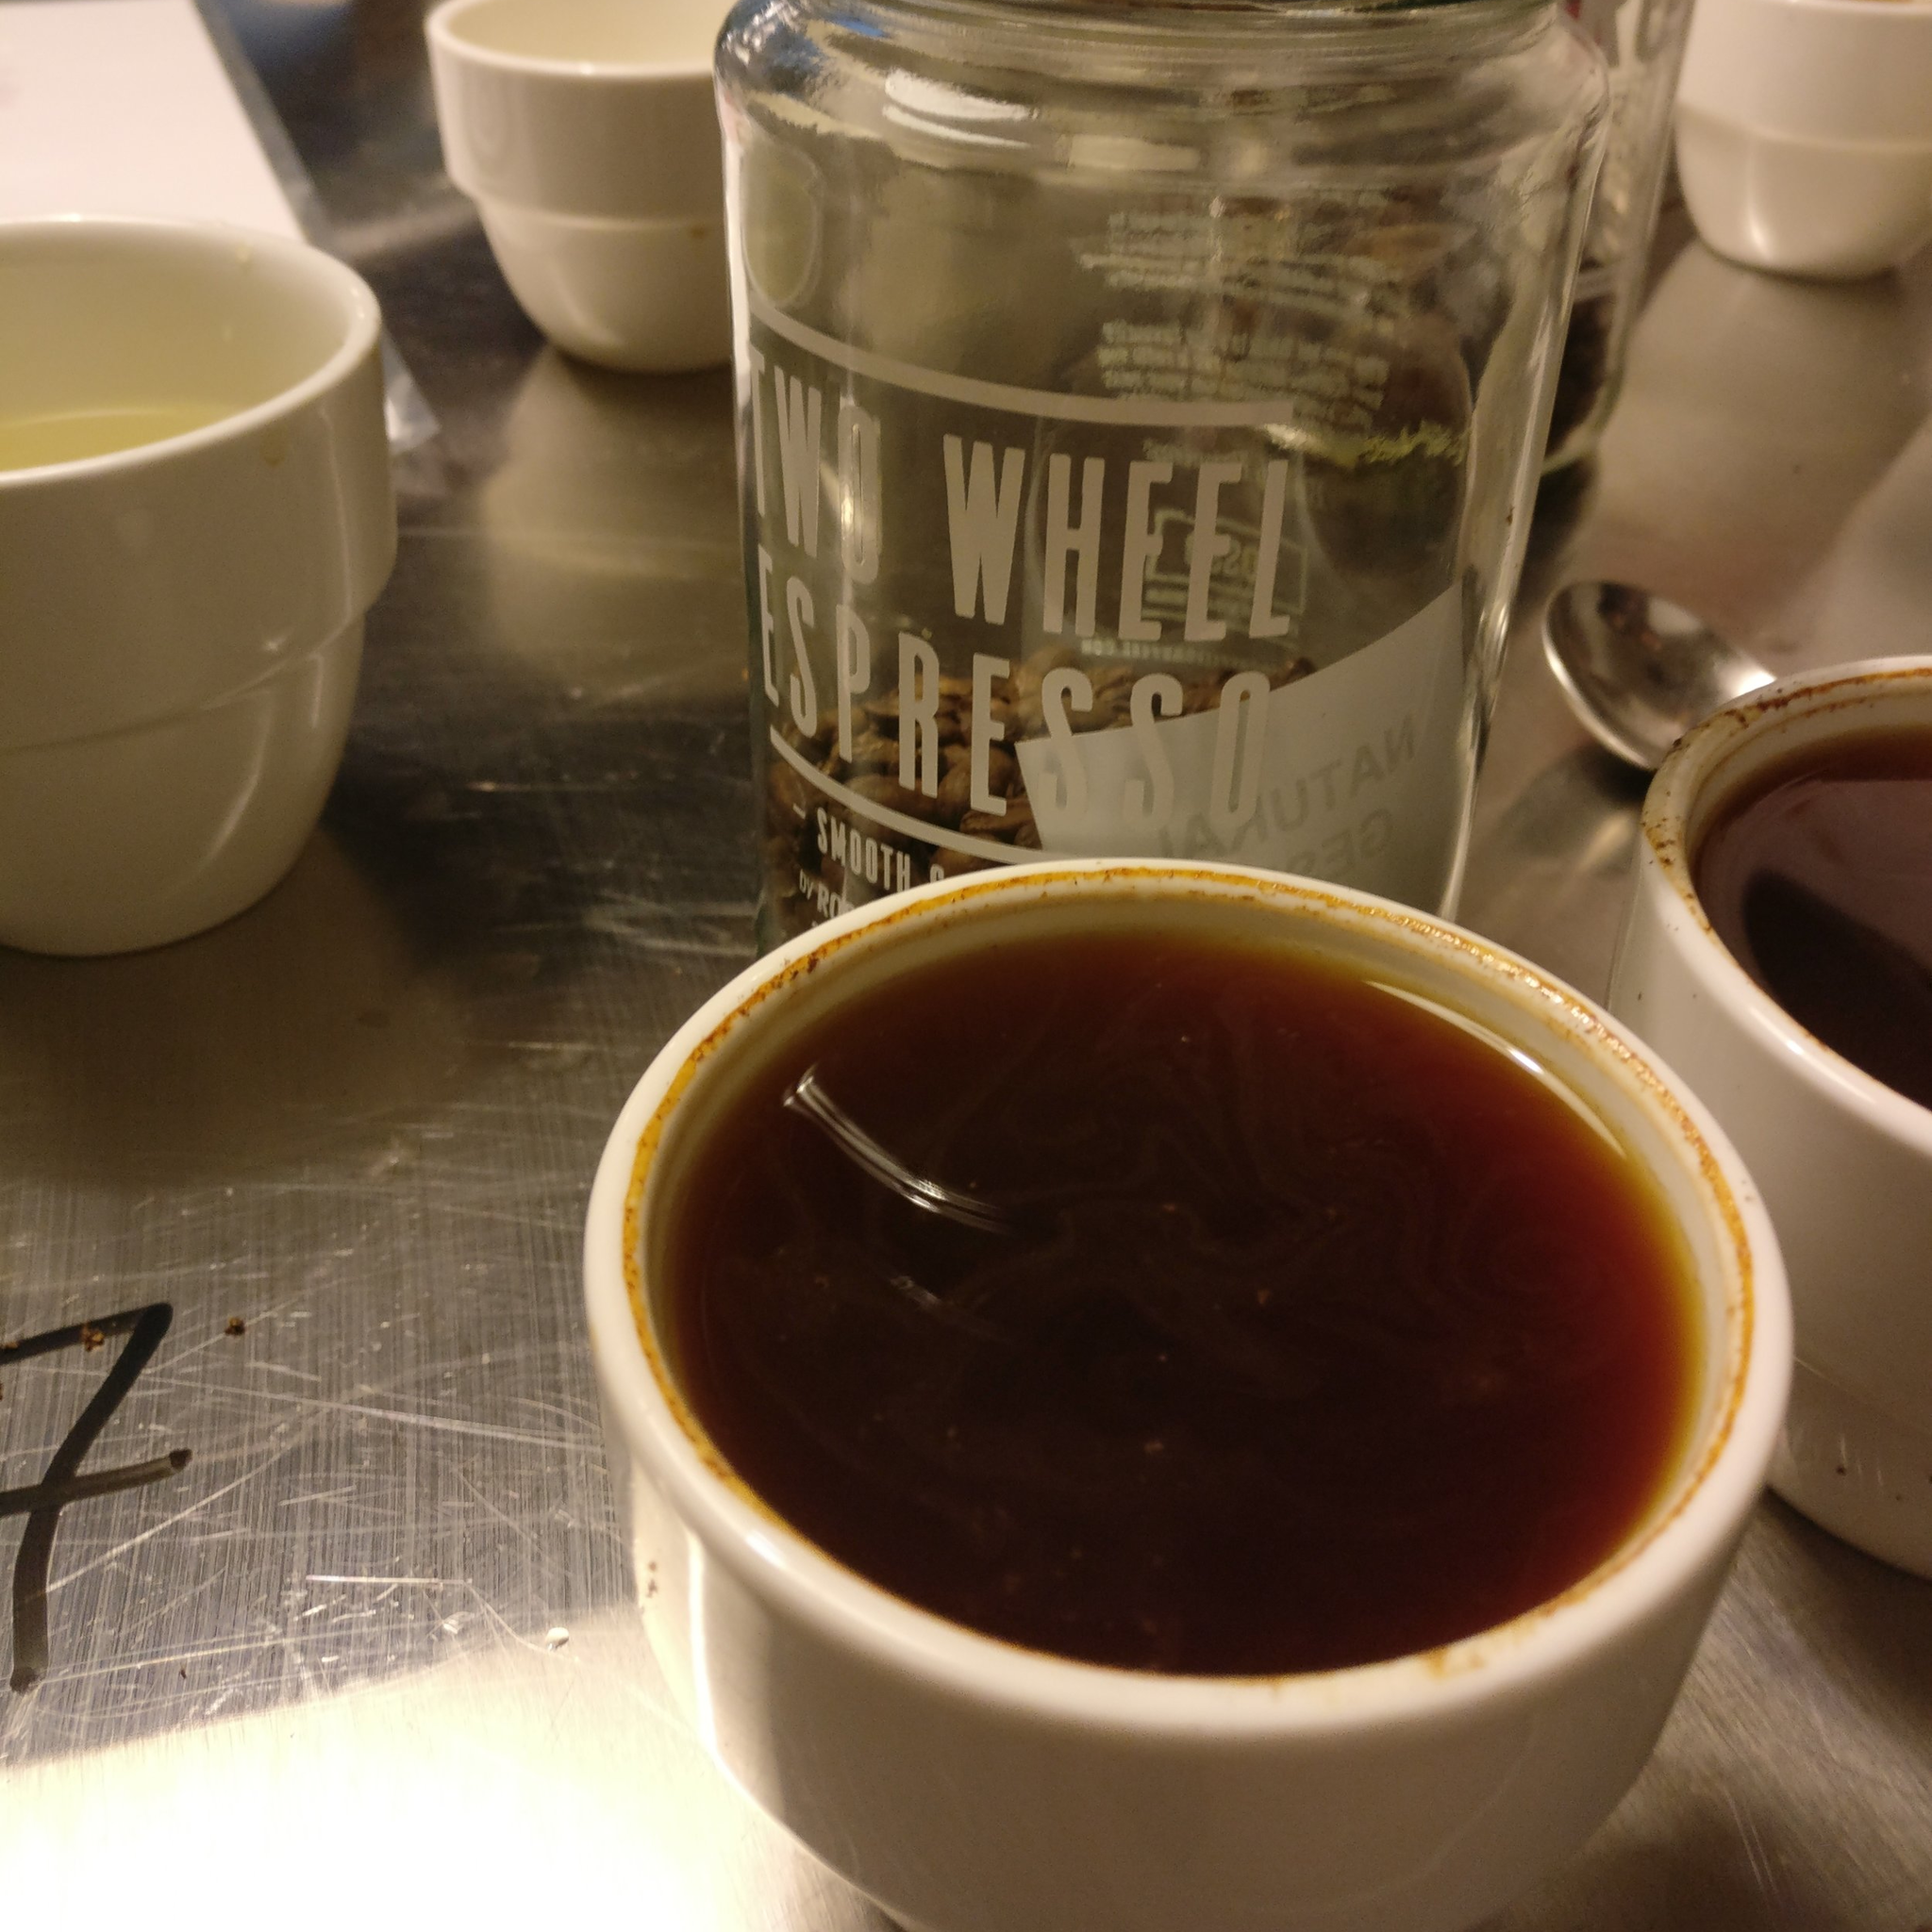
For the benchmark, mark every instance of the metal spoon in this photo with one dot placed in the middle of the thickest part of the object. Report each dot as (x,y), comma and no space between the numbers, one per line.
(1637,669)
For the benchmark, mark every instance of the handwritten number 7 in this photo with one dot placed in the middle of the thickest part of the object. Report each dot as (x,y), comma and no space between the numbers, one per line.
(43,1502)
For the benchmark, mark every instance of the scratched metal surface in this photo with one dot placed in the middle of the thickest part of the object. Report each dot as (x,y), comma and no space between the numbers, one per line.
(376,1632)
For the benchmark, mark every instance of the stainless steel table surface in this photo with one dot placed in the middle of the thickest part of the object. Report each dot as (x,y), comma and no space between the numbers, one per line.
(376,1644)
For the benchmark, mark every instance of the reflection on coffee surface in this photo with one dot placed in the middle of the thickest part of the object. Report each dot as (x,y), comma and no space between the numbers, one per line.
(1818,877)
(1179,1306)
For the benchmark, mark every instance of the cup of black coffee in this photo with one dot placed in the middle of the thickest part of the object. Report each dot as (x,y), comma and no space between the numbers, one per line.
(1777,953)
(1152,1396)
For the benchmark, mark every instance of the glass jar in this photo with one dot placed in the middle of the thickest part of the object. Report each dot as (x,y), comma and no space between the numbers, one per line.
(1642,41)
(1139,411)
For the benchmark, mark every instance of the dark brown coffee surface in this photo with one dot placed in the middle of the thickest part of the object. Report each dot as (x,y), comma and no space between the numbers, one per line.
(1818,877)
(1315,1330)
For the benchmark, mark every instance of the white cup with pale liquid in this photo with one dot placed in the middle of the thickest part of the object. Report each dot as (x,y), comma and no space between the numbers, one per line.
(195,515)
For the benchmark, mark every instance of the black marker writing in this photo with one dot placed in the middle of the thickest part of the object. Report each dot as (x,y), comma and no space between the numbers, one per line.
(43,1502)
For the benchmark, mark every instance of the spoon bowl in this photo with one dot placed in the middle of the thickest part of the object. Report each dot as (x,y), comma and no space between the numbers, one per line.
(1639,671)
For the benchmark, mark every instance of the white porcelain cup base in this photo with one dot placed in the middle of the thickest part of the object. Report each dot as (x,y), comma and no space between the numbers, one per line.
(1805,132)
(1086,1828)
(1856,1472)
(973,1785)
(1836,209)
(1843,1162)
(645,296)
(146,835)
(586,131)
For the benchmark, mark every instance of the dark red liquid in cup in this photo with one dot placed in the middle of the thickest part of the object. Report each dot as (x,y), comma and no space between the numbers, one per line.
(1304,1326)
(1818,877)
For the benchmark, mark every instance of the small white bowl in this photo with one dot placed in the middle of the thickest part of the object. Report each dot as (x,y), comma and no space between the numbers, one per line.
(1846,1163)
(973,1785)
(1805,132)
(587,134)
(182,619)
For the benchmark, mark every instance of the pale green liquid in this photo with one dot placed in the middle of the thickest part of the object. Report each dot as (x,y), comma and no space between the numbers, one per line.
(67,436)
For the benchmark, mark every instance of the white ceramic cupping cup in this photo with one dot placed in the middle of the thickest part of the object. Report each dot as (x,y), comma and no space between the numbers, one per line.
(971,1786)
(1805,132)
(1845,1163)
(180,621)
(585,132)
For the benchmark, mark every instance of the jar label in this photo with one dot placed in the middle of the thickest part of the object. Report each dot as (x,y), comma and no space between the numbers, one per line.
(991,622)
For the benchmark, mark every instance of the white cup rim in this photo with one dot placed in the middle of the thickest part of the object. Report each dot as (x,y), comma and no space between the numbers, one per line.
(441,26)
(360,311)
(1723,1470)
(1702,757)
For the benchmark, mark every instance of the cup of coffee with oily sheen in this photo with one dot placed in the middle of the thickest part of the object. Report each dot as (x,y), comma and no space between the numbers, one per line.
(1777,953)
(1150,1397)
